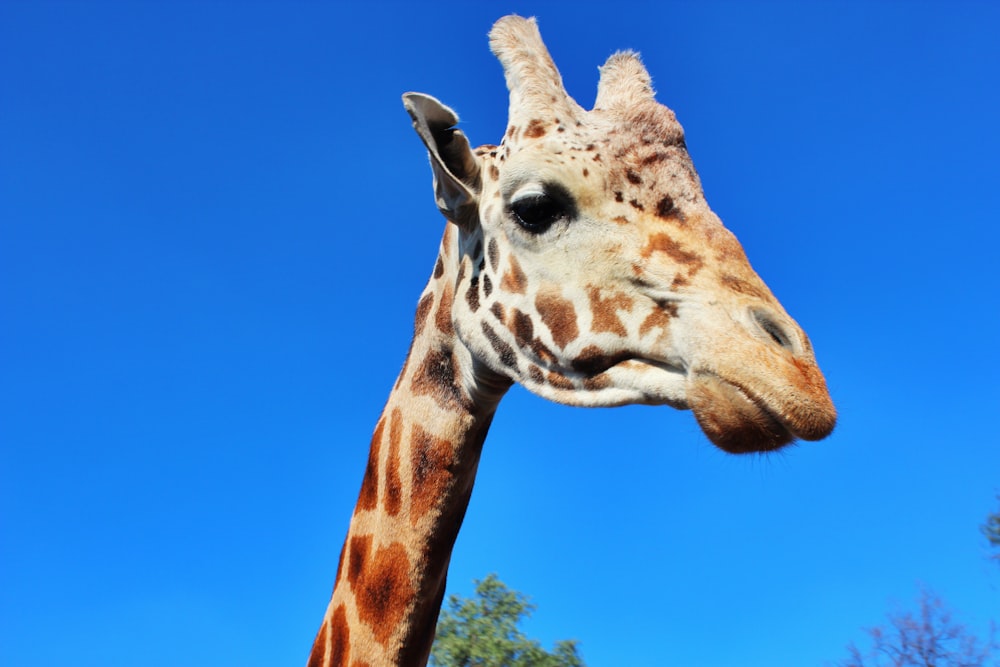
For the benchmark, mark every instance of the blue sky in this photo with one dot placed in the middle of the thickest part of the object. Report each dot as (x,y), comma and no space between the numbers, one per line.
(215,221)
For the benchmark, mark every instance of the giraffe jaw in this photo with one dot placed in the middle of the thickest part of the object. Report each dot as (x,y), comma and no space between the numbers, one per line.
(625,382)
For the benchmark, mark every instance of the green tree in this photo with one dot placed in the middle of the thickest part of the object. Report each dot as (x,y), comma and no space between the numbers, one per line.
(483,632)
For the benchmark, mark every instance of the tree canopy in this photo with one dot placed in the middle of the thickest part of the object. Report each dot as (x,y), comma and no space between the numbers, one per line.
(929,638)
(483,632)
(991,529)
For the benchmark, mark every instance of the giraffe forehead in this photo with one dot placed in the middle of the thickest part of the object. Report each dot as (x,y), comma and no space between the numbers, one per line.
(600,148)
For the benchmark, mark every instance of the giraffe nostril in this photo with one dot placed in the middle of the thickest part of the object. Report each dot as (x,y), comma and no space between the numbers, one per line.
(779,333)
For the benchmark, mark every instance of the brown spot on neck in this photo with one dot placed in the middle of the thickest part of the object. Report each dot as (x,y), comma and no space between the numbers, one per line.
(360,547)
(340,638)
(423,309)
(436,378)
(431,461)
(368,498)
(442,317)
(317,657)
(393,484)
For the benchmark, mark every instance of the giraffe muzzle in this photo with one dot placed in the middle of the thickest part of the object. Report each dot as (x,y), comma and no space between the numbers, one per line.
(739,420)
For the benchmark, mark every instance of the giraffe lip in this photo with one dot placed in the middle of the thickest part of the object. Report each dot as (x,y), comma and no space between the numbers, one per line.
(734,418)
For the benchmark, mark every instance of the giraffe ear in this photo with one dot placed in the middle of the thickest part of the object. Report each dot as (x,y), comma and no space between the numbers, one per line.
(457,181)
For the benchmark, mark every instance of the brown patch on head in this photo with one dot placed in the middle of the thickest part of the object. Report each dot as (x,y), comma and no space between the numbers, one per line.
(368,498)
(659,318)
(436,378)
(633,177)
(506,353)
(494,172)
(514,279)
(559,316)
(665,208)
(432,476)
(535,373)
(654,157)
(605,311)
(340,638)
(619,197)
(636,204)
(384,591)
(663,243)
(487,286)
(497,310)
(393,485)
(535,129)
(741,286)
(438,268)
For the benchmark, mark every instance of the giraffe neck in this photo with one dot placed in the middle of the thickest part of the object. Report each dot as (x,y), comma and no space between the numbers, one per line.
(421,468)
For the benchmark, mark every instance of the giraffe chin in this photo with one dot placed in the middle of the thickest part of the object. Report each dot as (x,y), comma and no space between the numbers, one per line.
(733,420)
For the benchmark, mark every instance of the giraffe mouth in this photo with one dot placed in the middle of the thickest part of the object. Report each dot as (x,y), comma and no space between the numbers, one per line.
(736,419)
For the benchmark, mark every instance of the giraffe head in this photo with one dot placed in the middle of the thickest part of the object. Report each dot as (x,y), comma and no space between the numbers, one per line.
(591,270)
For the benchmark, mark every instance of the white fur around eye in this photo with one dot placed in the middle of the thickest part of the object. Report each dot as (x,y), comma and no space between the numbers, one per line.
(527,192)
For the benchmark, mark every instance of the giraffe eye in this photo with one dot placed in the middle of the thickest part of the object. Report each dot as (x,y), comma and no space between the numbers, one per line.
(537,211)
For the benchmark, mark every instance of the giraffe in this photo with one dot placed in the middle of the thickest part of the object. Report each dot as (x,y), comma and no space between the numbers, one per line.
(581,260)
